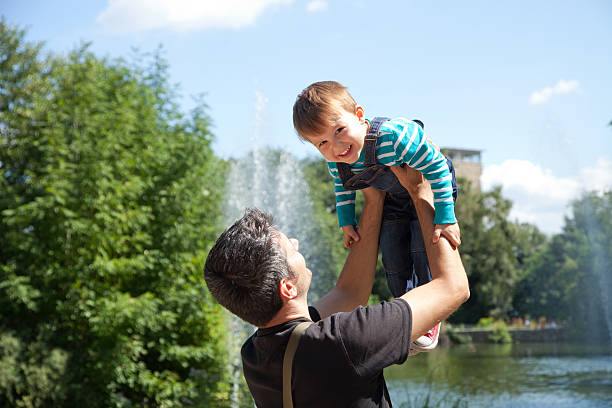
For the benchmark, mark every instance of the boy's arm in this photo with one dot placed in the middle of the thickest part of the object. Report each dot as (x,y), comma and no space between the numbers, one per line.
(345,200)
(449,288)
(357,277)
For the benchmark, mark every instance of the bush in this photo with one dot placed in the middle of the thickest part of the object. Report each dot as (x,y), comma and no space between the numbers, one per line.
(500,333)
(485,322)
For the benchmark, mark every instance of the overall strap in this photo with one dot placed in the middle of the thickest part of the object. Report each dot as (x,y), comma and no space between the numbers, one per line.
(372,135)
(369,146)
(344,171)
(292,346)
(370,140)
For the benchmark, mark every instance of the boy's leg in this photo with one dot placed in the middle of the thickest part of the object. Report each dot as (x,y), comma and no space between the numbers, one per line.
(451,168)
(395,249)
(418,254)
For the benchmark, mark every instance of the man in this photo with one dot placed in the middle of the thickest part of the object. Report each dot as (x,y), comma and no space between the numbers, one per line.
(257,273)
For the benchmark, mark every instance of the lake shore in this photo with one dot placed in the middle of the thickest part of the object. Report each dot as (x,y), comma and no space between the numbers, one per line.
(519,335)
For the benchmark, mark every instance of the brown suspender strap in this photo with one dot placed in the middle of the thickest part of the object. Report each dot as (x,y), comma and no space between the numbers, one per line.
(292,346)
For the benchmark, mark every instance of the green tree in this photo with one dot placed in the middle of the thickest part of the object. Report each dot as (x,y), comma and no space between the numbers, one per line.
(570,279)
(109,199)
(589,233)
(493,250)
(547,284)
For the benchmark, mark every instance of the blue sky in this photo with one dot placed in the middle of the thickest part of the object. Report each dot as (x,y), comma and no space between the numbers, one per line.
(527,82)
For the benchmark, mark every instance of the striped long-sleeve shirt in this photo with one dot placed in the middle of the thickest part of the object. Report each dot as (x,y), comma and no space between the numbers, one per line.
(402,141)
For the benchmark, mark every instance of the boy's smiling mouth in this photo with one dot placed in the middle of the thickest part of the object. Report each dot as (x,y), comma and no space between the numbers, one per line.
(346,152)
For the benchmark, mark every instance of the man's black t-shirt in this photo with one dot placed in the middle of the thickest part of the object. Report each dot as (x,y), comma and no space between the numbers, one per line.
(339,361)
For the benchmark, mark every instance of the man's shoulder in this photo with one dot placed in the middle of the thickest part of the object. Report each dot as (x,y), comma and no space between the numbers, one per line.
(371,314)
(315,316)
(364,340)
(333,327)
(338,355)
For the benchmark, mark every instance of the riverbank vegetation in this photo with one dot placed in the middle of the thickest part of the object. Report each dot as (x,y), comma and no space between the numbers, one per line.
(110,197)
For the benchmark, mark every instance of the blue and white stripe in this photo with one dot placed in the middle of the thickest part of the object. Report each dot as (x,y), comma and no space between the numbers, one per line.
(402,141)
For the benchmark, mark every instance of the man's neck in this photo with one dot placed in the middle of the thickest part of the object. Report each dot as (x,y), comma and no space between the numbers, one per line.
(293,309)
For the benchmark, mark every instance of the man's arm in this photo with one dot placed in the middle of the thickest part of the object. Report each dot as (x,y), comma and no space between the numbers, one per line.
(449,288)
(357,277)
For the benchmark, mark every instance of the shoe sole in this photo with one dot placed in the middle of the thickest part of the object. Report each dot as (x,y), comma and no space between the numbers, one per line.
(431,346)
(427,348)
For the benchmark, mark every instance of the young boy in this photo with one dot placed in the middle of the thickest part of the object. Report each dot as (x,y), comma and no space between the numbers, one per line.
(359,153)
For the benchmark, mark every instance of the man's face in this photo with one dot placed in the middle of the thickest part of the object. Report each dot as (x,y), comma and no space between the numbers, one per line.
(343,139)
(296,261)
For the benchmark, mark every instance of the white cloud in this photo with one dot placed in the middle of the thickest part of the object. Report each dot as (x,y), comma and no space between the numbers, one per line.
(316,5)
(140,15)
(538,196)
(561,87)
(598,177)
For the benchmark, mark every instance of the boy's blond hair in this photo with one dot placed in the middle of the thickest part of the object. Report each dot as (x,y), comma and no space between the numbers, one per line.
(315,107)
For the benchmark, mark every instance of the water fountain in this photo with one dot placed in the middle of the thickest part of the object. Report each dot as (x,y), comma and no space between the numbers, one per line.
(272,181)
(599,285)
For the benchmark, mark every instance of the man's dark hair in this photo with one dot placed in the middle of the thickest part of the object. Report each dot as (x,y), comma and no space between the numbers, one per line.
(244,268)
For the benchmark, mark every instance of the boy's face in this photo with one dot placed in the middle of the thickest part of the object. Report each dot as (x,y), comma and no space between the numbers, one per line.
(343,139)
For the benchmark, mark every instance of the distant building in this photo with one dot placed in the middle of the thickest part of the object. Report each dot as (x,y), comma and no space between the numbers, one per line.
(467,164)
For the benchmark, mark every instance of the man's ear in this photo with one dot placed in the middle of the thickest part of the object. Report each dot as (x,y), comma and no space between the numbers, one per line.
(360,113)
(288,289)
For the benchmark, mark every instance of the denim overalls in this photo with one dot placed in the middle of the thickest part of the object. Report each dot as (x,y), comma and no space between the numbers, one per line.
(401,240)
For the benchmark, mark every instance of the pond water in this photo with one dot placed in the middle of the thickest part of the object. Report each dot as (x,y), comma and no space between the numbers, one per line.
(542,375)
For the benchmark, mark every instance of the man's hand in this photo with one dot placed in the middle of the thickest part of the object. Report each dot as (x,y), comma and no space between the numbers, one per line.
(450,232)
(350,235)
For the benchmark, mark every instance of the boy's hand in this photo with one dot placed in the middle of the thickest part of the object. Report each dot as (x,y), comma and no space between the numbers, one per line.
(350,235)
(449,231)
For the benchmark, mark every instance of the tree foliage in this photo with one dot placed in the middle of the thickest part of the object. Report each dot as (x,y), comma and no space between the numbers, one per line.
(494,251)
(570,279)
(109,196)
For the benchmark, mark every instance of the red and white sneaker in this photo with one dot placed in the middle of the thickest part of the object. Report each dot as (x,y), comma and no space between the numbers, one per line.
(429,340)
